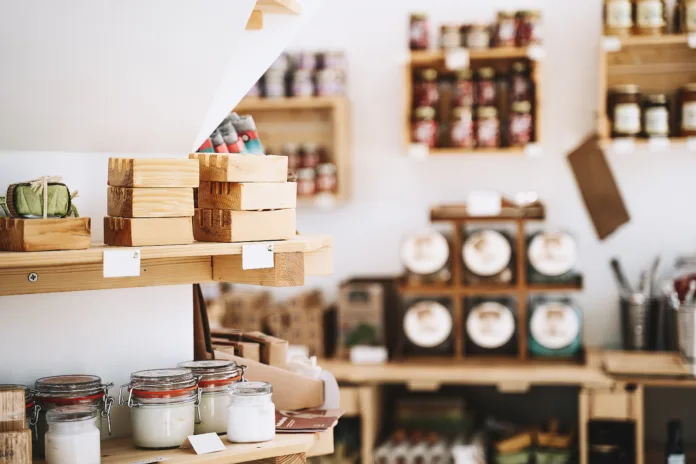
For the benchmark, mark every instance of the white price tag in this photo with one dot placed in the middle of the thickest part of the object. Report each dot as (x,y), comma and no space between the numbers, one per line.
(364,354)
(691,143)
(204,443)
(623,146)
(533,150)
(483,203)
(611,43)
(122,263)
(536,53)
(418,151)
(457,58)
(325,201)
(658,144)
(257,256)
(692,40)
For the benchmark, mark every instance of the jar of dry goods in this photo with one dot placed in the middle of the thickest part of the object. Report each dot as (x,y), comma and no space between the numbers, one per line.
(488,127)
(302,85)
(618,17)
(426,256)
(521,83)
(529,28)
(464,88)
(688,114)
(462,128)
(656,115)
(688,16)
(419,32)
(651,17)
(425,90)
(305,60)
(73,436)
(506,29)
(306,185)
(488,257)
(428,329)
(491,326)
(624,107)
(485,87)
(425,126)
(251,414)
(310,155)
(274,83)
(449,36)
(326,178)
(328,82)
(292,151)
(520,124)
(478,37)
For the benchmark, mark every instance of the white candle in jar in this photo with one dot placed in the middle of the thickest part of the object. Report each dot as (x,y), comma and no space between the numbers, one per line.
(162,426)
(72,436)
(213,413)
(251,414)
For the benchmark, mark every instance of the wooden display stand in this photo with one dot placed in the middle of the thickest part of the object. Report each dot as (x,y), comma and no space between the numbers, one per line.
(44,234)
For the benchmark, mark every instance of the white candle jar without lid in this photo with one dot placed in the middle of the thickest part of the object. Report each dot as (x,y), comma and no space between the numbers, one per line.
(73,436)
(164,407)
(251,414)
(215,378)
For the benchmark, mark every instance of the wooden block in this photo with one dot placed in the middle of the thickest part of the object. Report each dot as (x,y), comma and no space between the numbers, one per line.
(15,447)
(350,401)
(150,202)
(614,404)
(287,271)
(135,232)
(299,458)
(242,168)
(12,410)
(210,225)
(145,172)
(44,234)
(247,196)
(255,22)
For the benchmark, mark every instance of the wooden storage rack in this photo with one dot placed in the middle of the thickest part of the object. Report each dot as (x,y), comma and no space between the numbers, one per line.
(263,7)
(494,57)
(321,120)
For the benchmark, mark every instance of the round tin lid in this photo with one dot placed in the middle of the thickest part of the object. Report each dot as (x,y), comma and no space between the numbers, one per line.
(554,325)
(74,413)
(69,386)
(486,252)
(490,325)
(425,252)
(553,253)
(28,397)
(163,379)
(250,388)
(427,324)
(218,368)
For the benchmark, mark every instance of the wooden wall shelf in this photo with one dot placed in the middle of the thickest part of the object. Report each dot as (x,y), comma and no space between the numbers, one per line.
(62,271)
(437,57)
(263,7)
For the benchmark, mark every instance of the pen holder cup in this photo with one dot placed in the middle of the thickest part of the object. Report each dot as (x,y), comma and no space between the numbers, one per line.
(686,332)
(637,322)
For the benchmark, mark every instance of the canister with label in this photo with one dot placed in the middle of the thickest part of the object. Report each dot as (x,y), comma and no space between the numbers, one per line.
(491,327)
(555,328)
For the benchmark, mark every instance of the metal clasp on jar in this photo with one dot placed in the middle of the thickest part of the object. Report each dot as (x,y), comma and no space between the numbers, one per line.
(108,404)
(34,420)
(197,404)
(130,397)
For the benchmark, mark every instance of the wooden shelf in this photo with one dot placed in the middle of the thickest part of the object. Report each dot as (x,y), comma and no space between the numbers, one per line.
(250,104)
(473,290)
(62,271)
(263,7)
(310,444)
(643,143)
(508,212)
(433,57)
(651,41)
(506,151)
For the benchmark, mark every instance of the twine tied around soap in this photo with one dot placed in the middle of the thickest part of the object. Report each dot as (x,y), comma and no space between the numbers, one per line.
(40,187)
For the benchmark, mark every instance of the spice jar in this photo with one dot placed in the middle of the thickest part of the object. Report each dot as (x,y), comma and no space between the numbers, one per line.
(425,91)
(618,17)
(419,32)
(478,37)
(449,36)
(464,88)
(73,436)
(302,85)
(310,157)
(274,83)
(521,84)
(656,116)
(31,409)
(506,29)
(425,127)
(485,87)
(651,17)
(70,390)
(624,107)
(251,414)
(291,150)
(215,378)
(426,257)
(529,28)
(520,129)
(326,178)
(462,128)
(306,186)
(688,116)
(164,406)
(488,127)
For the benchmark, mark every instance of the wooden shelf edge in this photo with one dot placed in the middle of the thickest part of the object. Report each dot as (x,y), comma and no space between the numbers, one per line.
(427,57)
(647,40)
(681,142)
(251,104)
(503,151)
(473,290)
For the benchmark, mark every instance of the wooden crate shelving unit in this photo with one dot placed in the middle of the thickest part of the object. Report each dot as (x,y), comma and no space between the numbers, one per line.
(499,58)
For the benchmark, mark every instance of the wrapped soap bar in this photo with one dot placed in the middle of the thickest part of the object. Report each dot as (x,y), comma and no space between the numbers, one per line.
(26,200)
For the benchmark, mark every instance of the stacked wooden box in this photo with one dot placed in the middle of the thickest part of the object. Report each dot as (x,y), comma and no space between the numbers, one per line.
(15,437)
(150,202)
(244,198)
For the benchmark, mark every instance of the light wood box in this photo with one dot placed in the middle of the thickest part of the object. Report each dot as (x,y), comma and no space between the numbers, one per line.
(145,172)
(44,234)
(242,168)
(211,225)
(12,410)
(135,232)
(150,202)
(614,404)
(350,401)
(247,196)
(15,447)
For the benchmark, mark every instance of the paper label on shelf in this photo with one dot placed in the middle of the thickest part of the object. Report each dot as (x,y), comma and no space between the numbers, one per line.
(536,52)
(611,43)
(204,443)
(418,151)
(257,256)
(483,203)
(691,143)
(533,150)
(623,146)
(364,354)
(122,263)
(692,40)
(457,58)
(658,143)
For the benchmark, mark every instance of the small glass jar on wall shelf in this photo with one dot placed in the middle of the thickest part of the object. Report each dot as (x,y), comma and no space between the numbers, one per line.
(624,104)
(651,17)
(656,115)
(618,18)
(251,413)
(73,436)
(688,113)
(491,326)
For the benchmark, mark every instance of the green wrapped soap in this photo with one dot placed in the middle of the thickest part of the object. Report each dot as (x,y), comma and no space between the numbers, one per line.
(24,200)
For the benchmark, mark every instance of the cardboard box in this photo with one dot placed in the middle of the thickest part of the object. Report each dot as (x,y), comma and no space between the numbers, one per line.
(248,350)
(274,351)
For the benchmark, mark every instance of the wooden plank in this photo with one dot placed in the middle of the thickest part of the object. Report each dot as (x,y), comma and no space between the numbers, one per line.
(287,271)
(515,151)
(299,458)
(323,444)
(341,148)
(583,424)
(319,262)
(255,22)
(150,172)
(370,420)
(44,234)
(242,168)
(433,57)
(136,232)
(247,196)
(15,447)
(12,410)
(521,274)
(243,226)
(350,401)
(253,104)
(149,202)
(278,6)
(648,364)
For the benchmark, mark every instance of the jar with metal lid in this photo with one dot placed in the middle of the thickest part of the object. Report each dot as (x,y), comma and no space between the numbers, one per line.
(520,130)
(425,91)
(651,17)
(486,94)
(478,37)
(688,113)
(449,36)
(488,257)
(306,184)
(215,378)
(304,60)
(425,126)
(292,151)
(555,328)
(624,108)
(520,82)
(506,29)
(70,390)
(164,406)
(464,88)
(491,326)
(302,85)
(618,18)
(31,408)
(326,178)
(282,63)
(552,258)
(419,32)
(487,127)
(462,127)
(251,414)
(428,327)
(328,82)
(274,84)
(656,115)
(529,28)
(73,436)
(426,256)
(687,16)
(310,157)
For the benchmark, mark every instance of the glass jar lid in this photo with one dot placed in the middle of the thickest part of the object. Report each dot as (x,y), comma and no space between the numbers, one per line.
(217,369)
(487,112)
(427,324)
(486,73)
(69,386)
(656,99)
(626,89)
(429,74)
(522,107)
(425,113)
(250,388)
(519,66)
(28,396)
(71,413)
(326,169)
(464,74)
(306,173)
(163,379)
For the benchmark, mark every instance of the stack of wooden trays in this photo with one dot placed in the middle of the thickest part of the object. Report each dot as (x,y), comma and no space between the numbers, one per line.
(244,198)
(150,202)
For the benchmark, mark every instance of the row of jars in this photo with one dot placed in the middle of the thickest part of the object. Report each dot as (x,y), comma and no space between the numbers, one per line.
(167,406)
(634,114)
(309,165)
(512,29)
(648,17)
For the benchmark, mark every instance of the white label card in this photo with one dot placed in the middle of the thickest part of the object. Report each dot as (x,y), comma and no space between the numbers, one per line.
(484,203)
(658,143)
(691,143)
(692,40)
(418,151)
(122,263)
(150,461)
(204,443)
(536,53)
(623,146)
(457,58)
(257,256)
(533,150)
(611,43)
